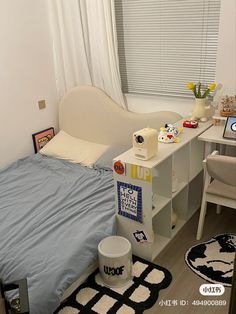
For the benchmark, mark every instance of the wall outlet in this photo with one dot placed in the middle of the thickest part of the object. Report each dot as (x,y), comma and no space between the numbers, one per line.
(42,104)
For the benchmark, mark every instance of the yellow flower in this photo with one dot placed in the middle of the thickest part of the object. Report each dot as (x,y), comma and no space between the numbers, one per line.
(190,85)
(212,86)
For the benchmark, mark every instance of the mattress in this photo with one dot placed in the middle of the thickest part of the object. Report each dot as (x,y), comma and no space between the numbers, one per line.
(52,216)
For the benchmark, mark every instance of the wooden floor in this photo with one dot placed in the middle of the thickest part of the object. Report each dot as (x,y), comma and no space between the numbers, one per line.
(185,283)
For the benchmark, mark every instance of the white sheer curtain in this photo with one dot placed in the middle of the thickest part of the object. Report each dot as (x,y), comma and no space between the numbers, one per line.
(85,45)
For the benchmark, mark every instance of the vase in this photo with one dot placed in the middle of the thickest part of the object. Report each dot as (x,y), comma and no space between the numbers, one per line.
(199,110)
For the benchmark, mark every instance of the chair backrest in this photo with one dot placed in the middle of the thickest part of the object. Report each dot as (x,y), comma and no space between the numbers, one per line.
(222,168)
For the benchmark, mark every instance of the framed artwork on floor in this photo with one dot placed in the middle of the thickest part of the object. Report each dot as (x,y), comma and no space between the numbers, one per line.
(40,139)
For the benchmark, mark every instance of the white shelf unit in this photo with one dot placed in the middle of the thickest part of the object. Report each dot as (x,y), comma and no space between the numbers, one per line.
(185,159)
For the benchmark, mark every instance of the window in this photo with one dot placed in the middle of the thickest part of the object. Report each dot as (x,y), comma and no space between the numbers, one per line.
(164,44)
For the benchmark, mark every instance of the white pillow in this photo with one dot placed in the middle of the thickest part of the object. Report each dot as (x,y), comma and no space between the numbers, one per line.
(65,146)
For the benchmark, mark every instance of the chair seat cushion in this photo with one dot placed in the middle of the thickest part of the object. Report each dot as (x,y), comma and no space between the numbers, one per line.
(221,189)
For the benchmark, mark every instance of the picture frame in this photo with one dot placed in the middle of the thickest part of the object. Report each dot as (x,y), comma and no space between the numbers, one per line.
(41,138)
(230,128)
(130,201)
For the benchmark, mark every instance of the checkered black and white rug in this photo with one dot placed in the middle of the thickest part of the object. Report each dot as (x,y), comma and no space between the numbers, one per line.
(139,295)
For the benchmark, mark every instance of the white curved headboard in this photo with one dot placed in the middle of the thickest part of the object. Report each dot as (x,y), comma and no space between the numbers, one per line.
(88,113)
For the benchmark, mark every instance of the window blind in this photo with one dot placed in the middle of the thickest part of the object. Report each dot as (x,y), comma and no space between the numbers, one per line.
(163,44)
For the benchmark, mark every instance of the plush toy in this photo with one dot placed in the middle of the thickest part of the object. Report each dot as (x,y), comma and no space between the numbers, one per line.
(169,134)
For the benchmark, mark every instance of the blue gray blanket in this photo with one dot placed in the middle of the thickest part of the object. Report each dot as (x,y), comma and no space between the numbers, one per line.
(52,216)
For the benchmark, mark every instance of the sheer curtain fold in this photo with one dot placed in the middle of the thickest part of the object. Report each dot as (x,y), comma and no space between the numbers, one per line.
(85,46)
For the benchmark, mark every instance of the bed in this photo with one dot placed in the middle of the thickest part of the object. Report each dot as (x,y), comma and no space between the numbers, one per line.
(54,212)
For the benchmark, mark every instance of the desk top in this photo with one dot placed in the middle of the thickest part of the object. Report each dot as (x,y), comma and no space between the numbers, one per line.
(215,135)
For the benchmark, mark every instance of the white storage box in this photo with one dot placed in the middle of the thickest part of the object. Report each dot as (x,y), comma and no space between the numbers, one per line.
(115,261)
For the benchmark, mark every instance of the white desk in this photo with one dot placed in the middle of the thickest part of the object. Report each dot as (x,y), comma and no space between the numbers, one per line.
(214,135)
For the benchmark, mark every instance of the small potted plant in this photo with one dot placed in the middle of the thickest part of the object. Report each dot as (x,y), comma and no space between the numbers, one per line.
(201,92)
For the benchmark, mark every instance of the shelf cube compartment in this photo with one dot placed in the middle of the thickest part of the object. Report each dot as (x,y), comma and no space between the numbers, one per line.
(197,156)
(195,194)
(162,222)
(180,169)
(161,178)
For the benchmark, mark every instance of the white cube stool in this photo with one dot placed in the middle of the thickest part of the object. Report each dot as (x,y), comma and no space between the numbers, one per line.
(115,261)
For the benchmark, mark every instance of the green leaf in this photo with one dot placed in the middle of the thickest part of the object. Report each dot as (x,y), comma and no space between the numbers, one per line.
(199,90)
(195,91)
(207,92)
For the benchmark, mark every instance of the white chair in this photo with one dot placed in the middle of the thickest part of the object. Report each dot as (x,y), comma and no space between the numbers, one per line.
(219,186)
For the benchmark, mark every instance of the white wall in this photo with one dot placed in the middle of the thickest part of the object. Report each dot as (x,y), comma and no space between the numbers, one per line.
(225,70)
(26,76)
(226,57)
